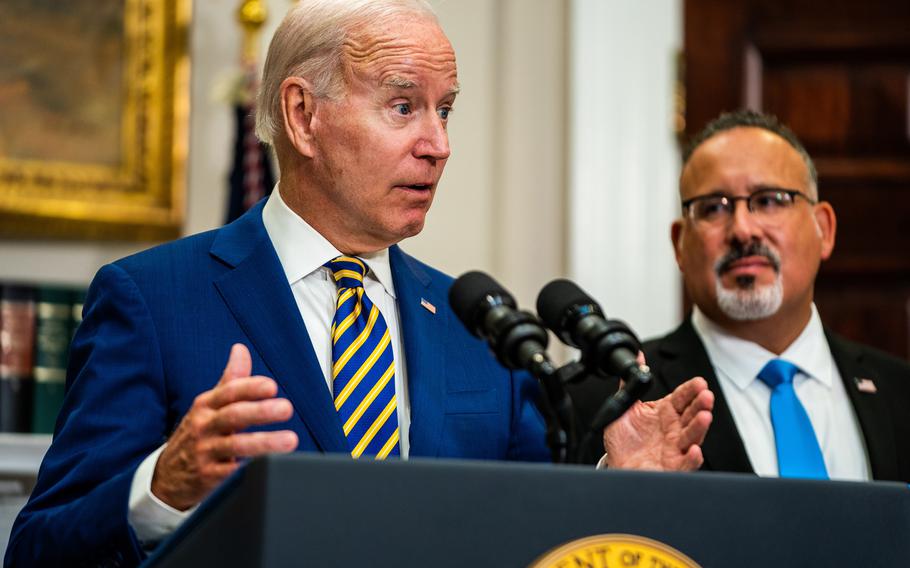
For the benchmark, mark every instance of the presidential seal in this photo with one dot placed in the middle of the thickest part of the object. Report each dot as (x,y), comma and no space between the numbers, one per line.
(613,551)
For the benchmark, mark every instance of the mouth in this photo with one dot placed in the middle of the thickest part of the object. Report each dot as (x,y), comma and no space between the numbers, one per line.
(418,187)
(749,260)
(749,264)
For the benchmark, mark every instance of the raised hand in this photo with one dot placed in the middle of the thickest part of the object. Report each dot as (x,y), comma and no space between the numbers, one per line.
(205,447)
(663,435)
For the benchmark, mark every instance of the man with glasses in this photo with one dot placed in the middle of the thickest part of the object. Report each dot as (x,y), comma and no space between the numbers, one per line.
(792,398)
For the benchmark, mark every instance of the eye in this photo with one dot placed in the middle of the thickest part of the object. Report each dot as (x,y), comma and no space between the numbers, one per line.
(403,109)
(444,112)
(711,208)
(770,200)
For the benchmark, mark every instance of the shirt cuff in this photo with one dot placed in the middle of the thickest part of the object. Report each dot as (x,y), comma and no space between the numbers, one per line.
(602,462)
(151,518)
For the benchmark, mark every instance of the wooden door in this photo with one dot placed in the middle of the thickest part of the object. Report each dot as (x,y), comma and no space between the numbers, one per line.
(838,73)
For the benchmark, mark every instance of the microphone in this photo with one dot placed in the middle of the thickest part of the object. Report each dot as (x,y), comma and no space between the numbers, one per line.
(519,341)
(608,347)
(489,312)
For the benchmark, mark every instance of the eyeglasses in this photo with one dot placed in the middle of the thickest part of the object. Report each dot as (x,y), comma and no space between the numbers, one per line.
(768,205)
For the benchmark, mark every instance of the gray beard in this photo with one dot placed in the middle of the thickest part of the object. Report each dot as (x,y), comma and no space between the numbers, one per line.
(747,302)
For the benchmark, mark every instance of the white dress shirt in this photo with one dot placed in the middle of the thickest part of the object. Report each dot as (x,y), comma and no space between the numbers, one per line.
(818,386)
(302,252)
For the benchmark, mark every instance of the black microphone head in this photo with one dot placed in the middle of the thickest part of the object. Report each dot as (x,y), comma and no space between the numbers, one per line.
(560,301)
(473,294)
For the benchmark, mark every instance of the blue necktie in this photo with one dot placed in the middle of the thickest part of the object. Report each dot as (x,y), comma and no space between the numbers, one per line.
(363,369)
(798,454)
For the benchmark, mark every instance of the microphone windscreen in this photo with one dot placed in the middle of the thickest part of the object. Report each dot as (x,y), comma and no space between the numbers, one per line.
(556,299)
(467,296)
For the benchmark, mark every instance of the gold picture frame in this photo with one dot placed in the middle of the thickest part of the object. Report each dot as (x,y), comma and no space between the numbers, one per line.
(94,108)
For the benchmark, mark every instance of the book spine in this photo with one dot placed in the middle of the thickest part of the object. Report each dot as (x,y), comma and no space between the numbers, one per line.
(53,331)
(17,346)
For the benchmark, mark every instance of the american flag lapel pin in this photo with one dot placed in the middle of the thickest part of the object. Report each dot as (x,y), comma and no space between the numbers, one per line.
(865,385)
(427,305)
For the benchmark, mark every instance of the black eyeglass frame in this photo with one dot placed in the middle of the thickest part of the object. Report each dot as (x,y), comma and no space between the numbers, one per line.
(793,193)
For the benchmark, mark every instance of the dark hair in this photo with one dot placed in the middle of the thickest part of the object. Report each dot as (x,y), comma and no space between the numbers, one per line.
(751,118)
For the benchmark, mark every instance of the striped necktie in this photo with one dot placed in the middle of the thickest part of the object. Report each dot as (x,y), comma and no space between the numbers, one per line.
(363,369)
(798,453)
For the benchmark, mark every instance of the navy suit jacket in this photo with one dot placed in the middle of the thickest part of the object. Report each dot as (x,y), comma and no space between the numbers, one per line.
(157,331)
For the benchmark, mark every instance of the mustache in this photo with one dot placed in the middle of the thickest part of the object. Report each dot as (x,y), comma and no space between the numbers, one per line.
(738,251)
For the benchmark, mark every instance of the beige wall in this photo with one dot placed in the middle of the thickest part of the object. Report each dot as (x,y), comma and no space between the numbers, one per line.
(500,204)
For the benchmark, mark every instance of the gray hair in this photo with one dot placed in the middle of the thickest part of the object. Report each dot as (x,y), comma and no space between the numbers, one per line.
(309,43)
(753,119)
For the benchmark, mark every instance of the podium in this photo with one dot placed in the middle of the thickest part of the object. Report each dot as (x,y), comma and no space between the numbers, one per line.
(315,510)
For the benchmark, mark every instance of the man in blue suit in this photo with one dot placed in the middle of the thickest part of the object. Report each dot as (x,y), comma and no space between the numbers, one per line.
(312,296)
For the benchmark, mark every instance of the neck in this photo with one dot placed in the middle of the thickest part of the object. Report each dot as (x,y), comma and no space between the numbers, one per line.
(775,333)
(310,205)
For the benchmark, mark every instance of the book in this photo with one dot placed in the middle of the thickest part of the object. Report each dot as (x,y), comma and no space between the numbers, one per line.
(53,333)
(17,342)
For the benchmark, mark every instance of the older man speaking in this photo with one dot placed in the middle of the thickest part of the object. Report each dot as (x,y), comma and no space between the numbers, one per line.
(338,340)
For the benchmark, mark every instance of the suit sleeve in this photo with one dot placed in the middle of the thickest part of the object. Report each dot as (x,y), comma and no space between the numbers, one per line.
(114,415)
(528,435)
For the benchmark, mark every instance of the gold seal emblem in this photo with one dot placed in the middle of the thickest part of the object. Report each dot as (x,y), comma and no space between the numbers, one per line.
(613,550)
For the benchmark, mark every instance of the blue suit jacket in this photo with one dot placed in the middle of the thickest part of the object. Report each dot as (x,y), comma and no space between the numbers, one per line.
(156,332)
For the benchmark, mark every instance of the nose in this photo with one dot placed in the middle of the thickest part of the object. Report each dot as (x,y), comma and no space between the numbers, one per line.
(433,143)
(743,225)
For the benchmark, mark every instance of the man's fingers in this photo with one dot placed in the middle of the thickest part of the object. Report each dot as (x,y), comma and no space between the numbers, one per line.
(241,415)
(693,459)
(686,393)
(703,401)
(248,388)
(252,444)
(239,364)
(693,434)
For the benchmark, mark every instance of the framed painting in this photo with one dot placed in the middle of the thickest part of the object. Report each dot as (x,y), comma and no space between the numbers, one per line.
(94,104)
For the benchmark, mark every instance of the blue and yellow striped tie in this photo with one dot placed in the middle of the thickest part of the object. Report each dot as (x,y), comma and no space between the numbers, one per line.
(363,369)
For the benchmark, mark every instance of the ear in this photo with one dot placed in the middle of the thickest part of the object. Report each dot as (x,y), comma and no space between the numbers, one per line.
(676,235)
(297,109)
(827,227)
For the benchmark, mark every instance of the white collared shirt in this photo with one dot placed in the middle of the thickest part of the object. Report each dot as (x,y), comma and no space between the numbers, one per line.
(818,386)
(302,252)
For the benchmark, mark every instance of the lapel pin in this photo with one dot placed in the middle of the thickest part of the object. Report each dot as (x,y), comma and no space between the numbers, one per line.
(427,305)
(865,385)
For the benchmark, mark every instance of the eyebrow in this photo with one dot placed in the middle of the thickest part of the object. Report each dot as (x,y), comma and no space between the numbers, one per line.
(398,82)
(752,189)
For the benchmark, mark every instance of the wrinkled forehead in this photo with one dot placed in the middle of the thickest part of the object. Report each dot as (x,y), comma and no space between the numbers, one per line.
(400,51)
(740,160)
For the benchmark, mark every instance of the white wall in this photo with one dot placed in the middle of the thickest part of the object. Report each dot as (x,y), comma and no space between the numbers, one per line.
(623,158)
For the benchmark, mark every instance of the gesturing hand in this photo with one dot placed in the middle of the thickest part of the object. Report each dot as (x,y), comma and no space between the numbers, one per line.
(665,434)
(204,448)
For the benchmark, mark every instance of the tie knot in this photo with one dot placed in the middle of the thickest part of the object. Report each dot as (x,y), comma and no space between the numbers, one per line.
(777,371)
(348,271)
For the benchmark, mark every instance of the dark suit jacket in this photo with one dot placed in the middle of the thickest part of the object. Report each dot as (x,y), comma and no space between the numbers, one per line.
(156,332)
(884,417)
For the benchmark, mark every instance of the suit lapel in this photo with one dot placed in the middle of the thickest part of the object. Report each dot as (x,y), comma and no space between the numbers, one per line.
(257,293)
(423,335)
(684,357)
(871,409)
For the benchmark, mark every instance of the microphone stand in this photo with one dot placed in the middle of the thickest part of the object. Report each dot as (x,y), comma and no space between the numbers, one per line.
(557,408)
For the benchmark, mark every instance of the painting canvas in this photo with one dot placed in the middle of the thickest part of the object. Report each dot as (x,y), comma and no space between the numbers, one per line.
(93,101)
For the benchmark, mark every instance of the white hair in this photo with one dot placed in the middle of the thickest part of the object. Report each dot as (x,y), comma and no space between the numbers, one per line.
(308,43)
(752,302)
